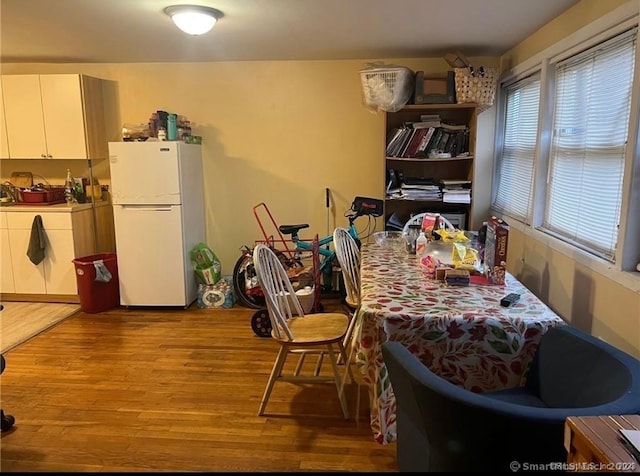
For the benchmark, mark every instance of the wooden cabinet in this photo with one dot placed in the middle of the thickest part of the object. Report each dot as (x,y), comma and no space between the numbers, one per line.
(28,277)
(69,234)
(6,270)
(54,116)
(461,167)
(54,274)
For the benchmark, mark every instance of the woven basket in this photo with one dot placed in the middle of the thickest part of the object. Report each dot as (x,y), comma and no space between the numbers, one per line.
(476,89)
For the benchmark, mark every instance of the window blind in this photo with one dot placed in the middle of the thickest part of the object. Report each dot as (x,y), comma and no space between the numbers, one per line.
(588,146)
(516,163)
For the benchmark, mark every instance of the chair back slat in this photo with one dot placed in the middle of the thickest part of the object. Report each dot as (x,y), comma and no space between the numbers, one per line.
(281,299)
(348,255)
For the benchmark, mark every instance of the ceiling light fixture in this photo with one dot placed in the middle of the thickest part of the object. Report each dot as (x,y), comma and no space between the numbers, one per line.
(193,19)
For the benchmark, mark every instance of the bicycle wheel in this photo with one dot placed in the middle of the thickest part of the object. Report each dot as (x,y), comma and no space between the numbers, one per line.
(245,283)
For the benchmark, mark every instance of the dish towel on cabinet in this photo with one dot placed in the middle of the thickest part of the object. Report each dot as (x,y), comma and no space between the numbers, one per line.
(37,241)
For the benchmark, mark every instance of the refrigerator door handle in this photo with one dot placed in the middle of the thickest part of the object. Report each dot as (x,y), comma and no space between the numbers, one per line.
(152,208)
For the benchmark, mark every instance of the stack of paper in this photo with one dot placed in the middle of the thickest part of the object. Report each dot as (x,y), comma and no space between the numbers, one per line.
(456,191)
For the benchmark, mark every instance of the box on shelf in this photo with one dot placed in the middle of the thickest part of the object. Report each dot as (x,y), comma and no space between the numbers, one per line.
(495,252)
(435,90)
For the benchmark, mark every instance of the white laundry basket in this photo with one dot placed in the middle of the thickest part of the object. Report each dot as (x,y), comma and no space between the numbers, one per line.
(386,88)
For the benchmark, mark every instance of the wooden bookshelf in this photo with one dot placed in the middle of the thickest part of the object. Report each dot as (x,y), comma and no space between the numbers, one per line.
(459,167)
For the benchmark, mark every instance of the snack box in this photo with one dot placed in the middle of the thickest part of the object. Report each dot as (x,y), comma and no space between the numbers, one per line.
(495,252)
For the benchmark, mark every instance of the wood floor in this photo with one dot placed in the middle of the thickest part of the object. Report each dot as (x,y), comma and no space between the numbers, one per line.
(144,390)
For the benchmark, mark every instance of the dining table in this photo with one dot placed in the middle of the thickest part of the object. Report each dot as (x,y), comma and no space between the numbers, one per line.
(462,333)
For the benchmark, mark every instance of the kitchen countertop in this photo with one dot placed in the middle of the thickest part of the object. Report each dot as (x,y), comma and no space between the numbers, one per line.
(58,208)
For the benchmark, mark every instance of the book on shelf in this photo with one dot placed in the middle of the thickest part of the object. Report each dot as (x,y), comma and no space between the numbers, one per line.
(444,138)
(448,197)
(400,143)
(453,142)
(450,146)
(453,127)
(404,186)
(456,190)
(407,143)
(460,144)
(419,181)
(422,147)
(420,192)
(425,124)
(453,183)
(393,137)
(415,142)
(435,139)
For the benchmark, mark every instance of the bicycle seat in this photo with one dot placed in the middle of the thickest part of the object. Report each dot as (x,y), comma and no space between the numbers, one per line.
(291,229)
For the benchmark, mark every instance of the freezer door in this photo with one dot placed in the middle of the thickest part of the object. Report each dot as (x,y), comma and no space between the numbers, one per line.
(153,264)
(145,173)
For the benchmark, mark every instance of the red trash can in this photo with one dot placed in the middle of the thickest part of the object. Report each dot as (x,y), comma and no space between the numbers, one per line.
(97,295)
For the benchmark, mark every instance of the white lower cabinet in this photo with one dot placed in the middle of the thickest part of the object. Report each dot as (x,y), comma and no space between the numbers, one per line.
(56,273)
(69,234)
(59,270)
(28,277)
(6,269)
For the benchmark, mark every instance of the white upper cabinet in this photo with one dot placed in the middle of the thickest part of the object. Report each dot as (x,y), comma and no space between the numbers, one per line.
(4,147)
(54,116)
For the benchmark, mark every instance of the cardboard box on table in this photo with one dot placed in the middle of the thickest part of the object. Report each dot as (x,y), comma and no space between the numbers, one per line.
(495,252)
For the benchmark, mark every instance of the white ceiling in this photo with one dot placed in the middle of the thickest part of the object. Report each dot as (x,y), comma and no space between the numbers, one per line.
(131,31)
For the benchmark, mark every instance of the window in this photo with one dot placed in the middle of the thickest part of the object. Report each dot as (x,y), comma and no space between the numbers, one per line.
(516,164)
(564,145)
(589,144)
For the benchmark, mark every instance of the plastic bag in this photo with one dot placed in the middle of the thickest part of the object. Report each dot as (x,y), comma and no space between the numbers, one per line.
(206,264)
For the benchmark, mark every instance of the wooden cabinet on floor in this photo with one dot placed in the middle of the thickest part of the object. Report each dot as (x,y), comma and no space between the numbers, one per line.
(54,116)
(69,234)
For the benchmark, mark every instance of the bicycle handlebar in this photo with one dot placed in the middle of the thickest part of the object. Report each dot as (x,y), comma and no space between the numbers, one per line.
(367,206)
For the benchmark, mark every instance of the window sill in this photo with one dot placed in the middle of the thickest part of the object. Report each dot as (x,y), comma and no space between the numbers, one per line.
(628,279)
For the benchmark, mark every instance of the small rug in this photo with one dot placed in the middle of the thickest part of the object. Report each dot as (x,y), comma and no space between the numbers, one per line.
(20,321)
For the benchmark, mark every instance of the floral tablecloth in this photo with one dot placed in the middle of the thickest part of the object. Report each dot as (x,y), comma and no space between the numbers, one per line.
(460,332)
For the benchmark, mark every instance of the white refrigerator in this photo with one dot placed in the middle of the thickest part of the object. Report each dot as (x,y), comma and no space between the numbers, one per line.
(158,208)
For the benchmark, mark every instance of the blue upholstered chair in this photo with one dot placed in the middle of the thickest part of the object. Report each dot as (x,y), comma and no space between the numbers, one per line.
(443,427)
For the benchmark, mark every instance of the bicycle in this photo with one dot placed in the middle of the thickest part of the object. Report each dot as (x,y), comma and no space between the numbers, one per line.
(246,287)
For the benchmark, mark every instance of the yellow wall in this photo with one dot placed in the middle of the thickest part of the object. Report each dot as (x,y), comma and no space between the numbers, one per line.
(585,298)
(273,132)
(573,19)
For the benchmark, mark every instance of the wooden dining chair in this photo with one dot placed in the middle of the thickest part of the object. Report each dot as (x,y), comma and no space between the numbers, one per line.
(296,331)
(348,255)
(417,220)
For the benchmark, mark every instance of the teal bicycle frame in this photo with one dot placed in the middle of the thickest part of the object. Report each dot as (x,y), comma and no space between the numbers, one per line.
(327,254)
(291,251)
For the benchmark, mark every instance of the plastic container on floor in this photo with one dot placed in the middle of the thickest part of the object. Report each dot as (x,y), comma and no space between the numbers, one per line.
(97,279)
